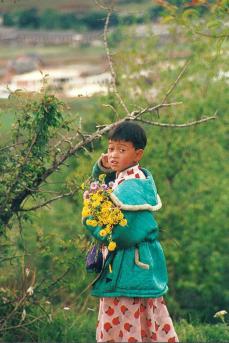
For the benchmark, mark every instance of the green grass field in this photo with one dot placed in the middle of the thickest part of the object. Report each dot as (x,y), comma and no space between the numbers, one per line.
(55,55)
(67,326)
(10,5)
(71,5)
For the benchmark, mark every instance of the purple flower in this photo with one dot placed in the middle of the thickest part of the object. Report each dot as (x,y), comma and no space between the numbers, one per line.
(94,186)
(111,184)
(104,186)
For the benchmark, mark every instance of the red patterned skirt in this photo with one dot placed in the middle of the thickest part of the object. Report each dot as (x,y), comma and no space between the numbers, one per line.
(134,320)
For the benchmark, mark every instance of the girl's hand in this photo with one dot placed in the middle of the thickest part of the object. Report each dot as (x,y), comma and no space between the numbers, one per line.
(104,160)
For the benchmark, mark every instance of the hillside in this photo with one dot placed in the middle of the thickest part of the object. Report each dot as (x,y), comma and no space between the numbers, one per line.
(70,5)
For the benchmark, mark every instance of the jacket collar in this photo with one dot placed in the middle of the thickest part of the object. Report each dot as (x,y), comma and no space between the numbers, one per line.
(128,171)
(133,172)
(136,193)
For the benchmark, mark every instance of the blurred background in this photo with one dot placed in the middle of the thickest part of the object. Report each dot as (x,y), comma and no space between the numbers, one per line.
(60,43)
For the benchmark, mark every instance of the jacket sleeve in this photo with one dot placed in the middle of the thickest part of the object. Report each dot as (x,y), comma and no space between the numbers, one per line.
(140,227)
(98,169)
(94,230)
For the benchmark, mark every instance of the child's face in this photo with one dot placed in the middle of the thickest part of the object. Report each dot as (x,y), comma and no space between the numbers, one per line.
(122,155)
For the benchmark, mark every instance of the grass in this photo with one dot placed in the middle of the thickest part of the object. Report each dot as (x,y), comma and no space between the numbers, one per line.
(55,55)
(188,332)
(71,5)
(82,5)
(68,326)
(82,329)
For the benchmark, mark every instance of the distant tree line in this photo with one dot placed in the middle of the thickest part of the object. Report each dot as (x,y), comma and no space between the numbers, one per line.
(93,20)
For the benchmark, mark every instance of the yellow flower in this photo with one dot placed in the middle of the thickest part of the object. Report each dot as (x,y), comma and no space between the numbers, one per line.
(95,204)
(102,233)
(123,222)
(102,177)
(112,246)
(107,204)
(104,210)
(116,211)
(120,216)
(108,228)
(82,186)
(97,197)
(86,202)
(91,222)
(86,212)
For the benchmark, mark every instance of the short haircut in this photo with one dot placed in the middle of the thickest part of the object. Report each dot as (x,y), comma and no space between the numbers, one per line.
(130,132)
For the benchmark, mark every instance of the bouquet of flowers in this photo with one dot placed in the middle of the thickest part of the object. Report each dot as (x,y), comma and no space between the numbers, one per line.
(104,212)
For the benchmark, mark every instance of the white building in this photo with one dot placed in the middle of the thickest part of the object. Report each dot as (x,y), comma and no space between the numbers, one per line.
(69,82)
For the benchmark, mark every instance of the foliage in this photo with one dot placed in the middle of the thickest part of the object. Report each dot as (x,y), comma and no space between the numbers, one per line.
(27,157)
(189,16)
(29,19)
(53,19)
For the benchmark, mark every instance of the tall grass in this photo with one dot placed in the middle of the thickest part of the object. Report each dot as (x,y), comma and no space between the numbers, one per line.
(68,326)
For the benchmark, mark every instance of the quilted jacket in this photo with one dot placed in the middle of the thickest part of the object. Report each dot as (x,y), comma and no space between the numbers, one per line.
(137,267)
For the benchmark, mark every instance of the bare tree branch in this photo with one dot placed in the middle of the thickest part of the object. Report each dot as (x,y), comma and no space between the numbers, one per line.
(209,35)
(12,257)
(196,122)
(11,146)
(2,327)
(173,86)
(48,201)
(113,74)
(21,325)
(137,114)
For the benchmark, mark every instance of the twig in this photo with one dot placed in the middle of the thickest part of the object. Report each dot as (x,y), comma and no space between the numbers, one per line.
(136,114)
(101,6)
(48,201)
(21,325)
(176,81)
(13,257)
(209,35)
(111,63)
(196,122)
(81,135)
(85,304)
(12,312)
(59,278)
(41,191)
(11,146)
(112,107)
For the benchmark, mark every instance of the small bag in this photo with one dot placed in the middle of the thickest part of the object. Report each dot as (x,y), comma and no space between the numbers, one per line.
(94,259)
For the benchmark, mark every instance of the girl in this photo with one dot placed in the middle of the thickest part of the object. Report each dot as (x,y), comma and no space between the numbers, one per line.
(133,279)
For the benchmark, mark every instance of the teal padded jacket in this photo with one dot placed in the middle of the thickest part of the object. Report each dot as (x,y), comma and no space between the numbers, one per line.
(137,267)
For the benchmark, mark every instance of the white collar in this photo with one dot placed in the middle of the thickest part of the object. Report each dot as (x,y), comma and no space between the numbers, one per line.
(128,171)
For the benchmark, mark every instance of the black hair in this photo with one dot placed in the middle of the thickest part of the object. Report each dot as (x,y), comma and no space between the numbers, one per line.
(130,132)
